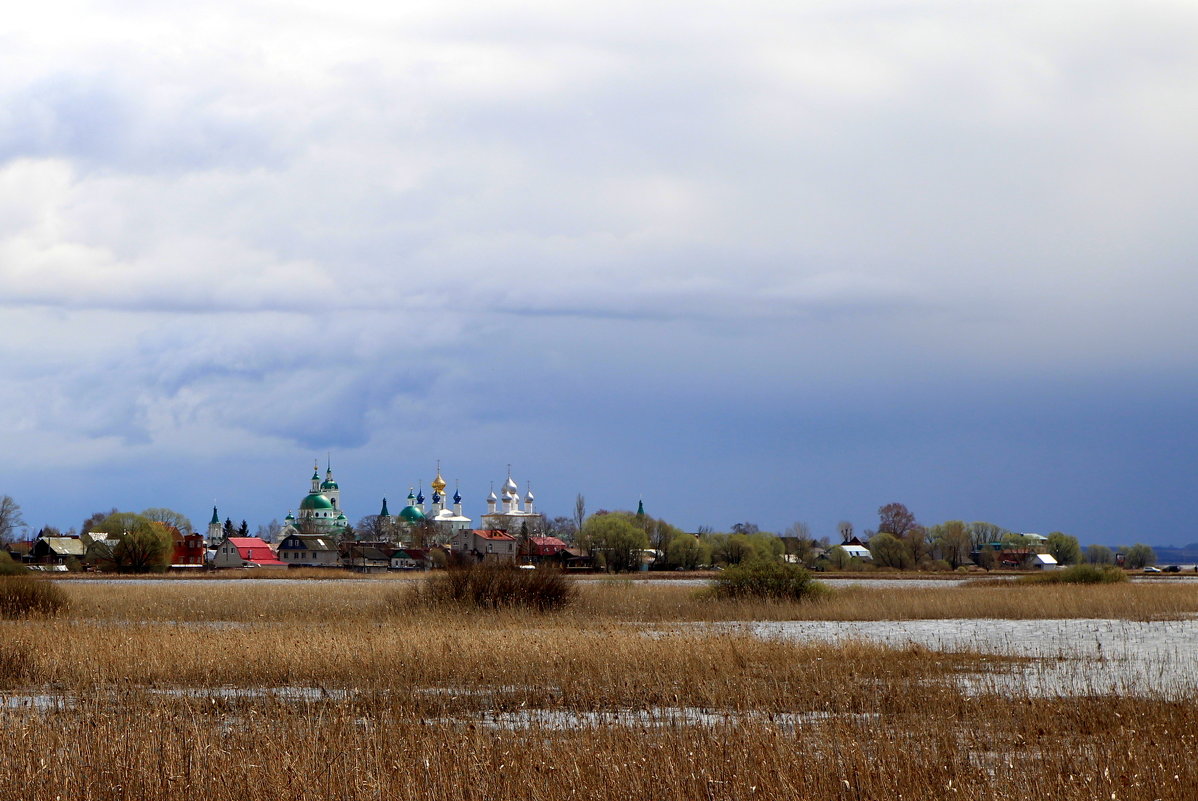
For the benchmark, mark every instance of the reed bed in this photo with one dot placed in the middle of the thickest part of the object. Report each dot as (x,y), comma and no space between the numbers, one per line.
(618,601)
(152,749)
(246,691)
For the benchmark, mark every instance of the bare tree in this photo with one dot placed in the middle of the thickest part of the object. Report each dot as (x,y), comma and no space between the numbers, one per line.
(896,519)
(93,522)
(170,517)
(10,519)
(797,542)
(580,511)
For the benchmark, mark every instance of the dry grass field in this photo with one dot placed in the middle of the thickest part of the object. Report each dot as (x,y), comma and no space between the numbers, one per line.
(252,690)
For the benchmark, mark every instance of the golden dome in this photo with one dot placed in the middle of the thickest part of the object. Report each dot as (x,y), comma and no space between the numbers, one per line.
(438,483)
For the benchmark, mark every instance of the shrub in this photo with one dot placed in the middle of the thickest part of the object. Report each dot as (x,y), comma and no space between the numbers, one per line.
(767,579)
(1077,574)
(10,568)
(496,586)
(26,596)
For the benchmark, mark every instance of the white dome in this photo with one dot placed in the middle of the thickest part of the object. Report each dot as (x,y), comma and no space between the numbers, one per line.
(509,486)
(529,498)
(491,497)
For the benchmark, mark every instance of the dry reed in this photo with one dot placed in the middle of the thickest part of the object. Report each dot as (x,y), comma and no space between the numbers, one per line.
(448,705)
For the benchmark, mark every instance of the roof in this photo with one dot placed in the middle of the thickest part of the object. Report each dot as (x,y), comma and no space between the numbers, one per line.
(492,534)
(1045,558)
(367,552)
(416,554)
(411,514)
(313,543)
(554,541)
(255,550)
(65,546)
(316,501)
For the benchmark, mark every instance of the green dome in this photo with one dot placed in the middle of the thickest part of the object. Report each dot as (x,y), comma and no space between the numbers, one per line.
(329,485)
(411,514)
(316,501)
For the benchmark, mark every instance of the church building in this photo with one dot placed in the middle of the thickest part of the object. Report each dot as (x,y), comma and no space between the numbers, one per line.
(320,510)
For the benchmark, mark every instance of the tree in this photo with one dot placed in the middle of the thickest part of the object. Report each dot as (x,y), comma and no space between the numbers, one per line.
(1019,542)
(244,529)
(688,552)
(144,549)
(798,530)
(797,543)
(374,528)
(896,519)
(661,535)
(580,511)
(561,527)
(952,542)
(1138,556)
(142,546)
(987,557)
(615,541)
(11,521)
(888,550)
(982,534)
(767,546)
(228,529)
(1064,548)
(269,532)
(170,517)
(90,523)
(745,528)
(1100,555)
(839,558)
(731,549)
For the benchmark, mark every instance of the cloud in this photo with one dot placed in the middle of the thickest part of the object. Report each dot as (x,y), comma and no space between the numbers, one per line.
(283,227)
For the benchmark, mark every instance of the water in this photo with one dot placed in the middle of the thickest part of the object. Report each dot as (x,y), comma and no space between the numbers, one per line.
(1073,657)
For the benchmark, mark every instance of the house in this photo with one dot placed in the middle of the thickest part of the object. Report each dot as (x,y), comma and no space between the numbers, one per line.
(99,548)
(857,549)
(309,550)
(858,552)
(189,550)
(575,559)
(484,545)
(19,550)
(410,559)
(1042,561)
(544,549)
(56,550)
(245,552)
(363,558)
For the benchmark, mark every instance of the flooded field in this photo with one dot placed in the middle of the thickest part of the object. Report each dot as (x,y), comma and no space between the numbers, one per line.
(1072,657)
(311,690)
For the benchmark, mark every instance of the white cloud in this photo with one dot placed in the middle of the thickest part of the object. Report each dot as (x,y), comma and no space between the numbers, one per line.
(191,198)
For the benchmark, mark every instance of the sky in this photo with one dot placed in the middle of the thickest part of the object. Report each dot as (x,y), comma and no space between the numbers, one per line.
(767,262)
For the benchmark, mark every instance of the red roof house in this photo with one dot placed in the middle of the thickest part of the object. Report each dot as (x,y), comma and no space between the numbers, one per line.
(245,552)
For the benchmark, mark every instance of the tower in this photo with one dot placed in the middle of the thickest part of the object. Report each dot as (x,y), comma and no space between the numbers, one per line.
(214,529)
(329,487)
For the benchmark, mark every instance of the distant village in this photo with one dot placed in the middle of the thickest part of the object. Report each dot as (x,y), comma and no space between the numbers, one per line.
(433,532)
